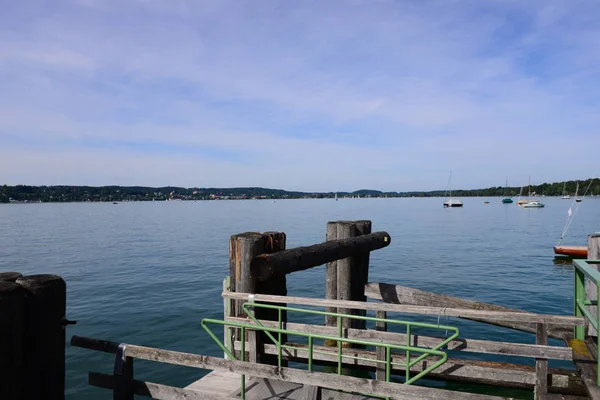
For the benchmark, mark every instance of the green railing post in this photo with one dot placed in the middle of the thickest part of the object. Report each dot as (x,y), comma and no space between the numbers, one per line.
(579,297)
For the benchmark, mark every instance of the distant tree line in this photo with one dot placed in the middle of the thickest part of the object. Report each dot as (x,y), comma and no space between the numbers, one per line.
(53,194)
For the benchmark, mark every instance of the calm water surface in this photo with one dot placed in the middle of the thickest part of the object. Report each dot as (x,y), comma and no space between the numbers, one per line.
(147,273)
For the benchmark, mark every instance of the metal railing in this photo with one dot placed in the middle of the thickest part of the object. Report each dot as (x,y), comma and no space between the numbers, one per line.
(583,270)
(276,334)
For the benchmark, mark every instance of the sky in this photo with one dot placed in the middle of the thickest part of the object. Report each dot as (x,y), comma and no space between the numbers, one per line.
(299,95)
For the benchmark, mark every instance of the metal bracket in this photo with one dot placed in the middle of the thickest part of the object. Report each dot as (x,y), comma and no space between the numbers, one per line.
(119,359)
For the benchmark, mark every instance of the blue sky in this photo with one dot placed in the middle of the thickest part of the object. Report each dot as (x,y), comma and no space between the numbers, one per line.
(304,95)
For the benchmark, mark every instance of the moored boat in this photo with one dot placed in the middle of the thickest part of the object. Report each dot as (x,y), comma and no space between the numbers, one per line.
(534,204)
(571,251)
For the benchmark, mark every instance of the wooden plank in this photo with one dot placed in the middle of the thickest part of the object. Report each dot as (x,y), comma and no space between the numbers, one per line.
(331,275)
(155,390)
(586,366)
(325,380)
(591,291)
(311,392)
(423,310)
(458,370)
(541,365)
(221,382)
(302,258)
(468,345)
(395,294)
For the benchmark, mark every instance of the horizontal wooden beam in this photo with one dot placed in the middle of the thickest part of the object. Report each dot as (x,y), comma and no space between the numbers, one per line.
(462,344)
(458,370)
(156,390)
(394,294)
(283,262)
(408,309)
(325,380)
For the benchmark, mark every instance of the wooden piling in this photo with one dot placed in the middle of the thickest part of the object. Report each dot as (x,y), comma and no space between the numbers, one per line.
(345,267)
(45,306)
(9,276)
(541,365)
(331,275)
(360,273)
(591,290)
(12,336)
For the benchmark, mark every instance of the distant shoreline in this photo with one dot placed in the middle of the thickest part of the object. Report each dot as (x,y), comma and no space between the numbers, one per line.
(84,194)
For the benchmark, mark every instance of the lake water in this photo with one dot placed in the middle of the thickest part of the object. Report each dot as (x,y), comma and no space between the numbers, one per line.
(147,273)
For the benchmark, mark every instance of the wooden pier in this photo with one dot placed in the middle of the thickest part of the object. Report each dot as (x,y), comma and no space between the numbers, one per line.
(353,348)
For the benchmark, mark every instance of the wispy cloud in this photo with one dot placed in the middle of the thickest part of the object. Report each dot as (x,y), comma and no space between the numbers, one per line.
(304,95)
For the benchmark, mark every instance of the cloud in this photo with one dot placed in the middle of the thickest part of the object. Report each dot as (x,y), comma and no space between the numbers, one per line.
(351,94)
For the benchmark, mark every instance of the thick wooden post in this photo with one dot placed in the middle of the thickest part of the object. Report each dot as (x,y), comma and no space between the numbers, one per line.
(12,336)
(591,290)
(275,285)
(242,250)
(45,306)
(9,276)
(345,267)
(331,276)
(541,365)
(360,273)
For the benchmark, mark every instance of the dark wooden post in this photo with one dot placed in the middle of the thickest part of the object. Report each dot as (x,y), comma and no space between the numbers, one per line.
(275,285)
(590,287)
(345,267)
(45,305)
(360,273)
(12,336)
(9,276)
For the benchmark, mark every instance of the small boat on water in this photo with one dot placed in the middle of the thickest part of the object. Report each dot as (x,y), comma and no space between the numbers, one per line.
(533,204)
(506,199)
(450,202)
(571,251)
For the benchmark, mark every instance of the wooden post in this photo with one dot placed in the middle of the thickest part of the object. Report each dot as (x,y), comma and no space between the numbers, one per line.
(275,285)
(12,336)
(345,229)
(380,368)
(590,288)
(360,274)
(541,365)
(242,249)
(45,305)
(331,276)
(9,276)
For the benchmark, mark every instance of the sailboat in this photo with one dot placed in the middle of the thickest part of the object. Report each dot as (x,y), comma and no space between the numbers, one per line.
(506,199)
(565,195)
(336,199)
(530,203)
(450,202)
(577,199)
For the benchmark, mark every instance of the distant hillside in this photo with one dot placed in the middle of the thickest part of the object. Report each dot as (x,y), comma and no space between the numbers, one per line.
(23,193)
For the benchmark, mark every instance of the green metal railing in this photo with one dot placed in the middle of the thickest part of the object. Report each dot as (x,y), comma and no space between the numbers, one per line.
(583,270)
(276,334)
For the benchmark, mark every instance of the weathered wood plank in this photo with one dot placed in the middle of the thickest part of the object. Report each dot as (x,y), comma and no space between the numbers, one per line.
(221,382)
(302,258)
(458,370)
(468,345)
(541,365)
(311,392)
(155,390)
(345,383)
(395,294)
(423,310)
(591,291)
